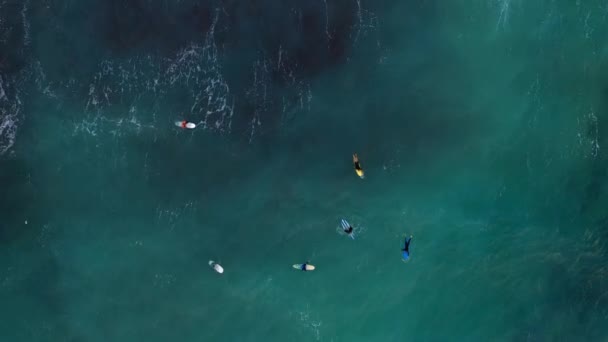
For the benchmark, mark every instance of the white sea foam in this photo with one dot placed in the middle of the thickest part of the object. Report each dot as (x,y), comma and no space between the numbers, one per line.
(503,16)
(366,23)
(10,113)
(327,34)
(2,92)
(588,134)
(25,23)
(150,82)
(308,321)
(8,128)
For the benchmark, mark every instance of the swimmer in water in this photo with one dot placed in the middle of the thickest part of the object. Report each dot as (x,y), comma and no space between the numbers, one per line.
(358,168)
(406,249)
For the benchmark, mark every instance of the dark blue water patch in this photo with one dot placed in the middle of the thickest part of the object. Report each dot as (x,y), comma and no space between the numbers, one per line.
(311,36)
(286,43)
(157,27)
(71,43)
(12,38)
(315,35)
(268,52)
(63,39)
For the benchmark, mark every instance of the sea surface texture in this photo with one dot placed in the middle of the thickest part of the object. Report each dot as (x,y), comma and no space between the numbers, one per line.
(481,125)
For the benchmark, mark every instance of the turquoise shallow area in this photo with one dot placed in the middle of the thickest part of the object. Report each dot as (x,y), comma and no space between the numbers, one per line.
(480,125)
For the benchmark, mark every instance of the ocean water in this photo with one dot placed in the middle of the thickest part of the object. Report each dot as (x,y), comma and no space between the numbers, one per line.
(480,124)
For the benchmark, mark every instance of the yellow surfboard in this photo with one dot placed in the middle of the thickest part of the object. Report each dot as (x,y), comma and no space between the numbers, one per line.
(358,168)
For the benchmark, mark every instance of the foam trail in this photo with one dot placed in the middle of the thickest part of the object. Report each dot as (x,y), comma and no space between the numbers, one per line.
(366,23)
(310,323)
(147,81)
(327,22)
(504,14)
(2,92)
(10,111)
(359,20)
(26,24)
(589,141)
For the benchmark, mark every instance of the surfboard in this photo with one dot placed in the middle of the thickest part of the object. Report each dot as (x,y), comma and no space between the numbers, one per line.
(308,267)
(217,267)
(344,224)
(189,125)
(358,169)
(405,256)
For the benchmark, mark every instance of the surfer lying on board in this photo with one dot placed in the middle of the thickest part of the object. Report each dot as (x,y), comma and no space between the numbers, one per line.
(358,168)
(217,267)
(304,267)
(185,124)
(406,248)
(347,228)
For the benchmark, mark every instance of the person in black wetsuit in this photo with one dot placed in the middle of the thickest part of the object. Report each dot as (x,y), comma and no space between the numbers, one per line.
(406,248)
(358,168)
(347,228)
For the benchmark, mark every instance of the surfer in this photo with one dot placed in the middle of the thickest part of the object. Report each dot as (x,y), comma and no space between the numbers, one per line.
(185,124)
(358,168)
(217,267)
(304,267)
(347,228)
(406,248)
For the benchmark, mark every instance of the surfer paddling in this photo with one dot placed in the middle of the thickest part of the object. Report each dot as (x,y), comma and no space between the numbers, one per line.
(304,267)
(358,168)
(406,248)
(347,228)
(185,124)
(217,267)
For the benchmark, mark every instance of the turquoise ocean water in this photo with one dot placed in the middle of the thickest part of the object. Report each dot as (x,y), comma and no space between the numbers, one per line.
(480,124)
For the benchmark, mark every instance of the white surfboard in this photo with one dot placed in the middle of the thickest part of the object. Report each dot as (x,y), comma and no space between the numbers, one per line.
(309,267)
(189,125)
(217,267)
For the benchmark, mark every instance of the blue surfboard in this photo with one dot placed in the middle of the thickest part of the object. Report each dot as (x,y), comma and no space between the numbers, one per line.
(345,226)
